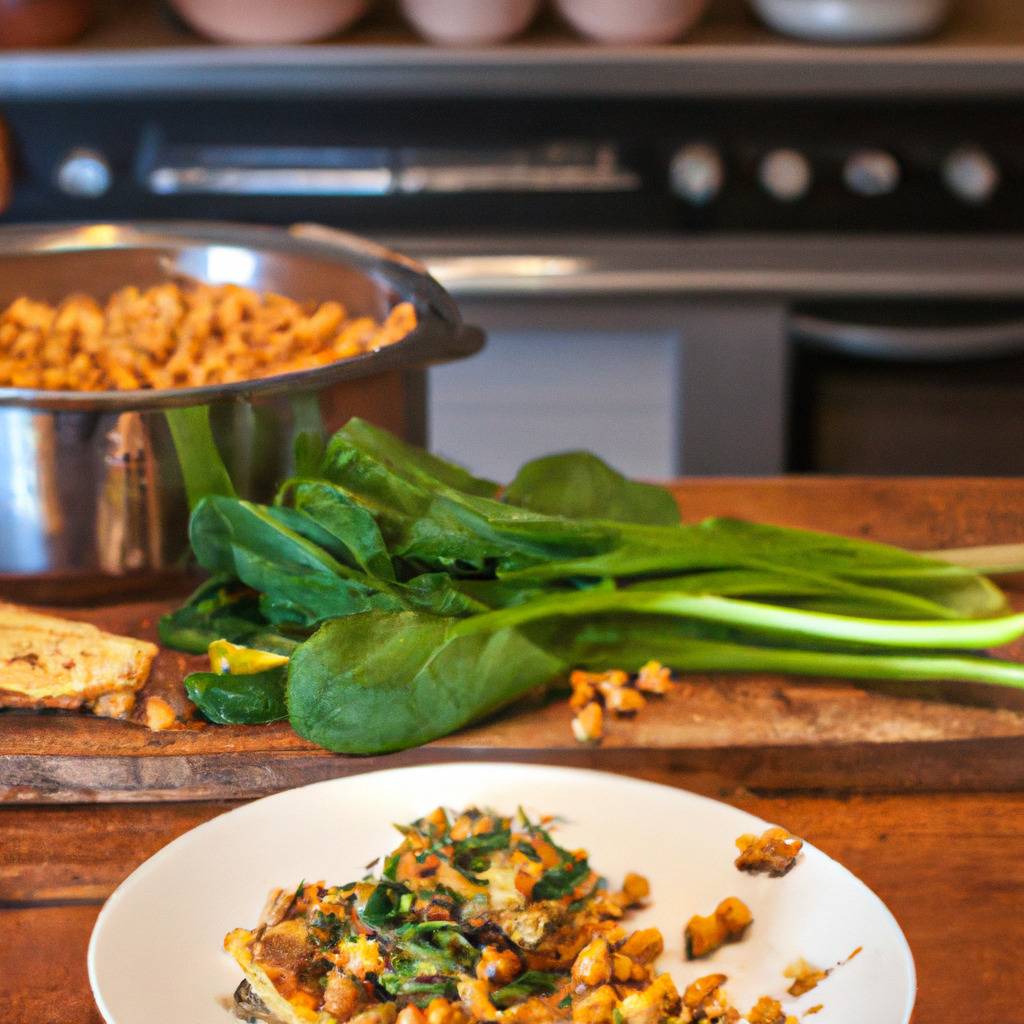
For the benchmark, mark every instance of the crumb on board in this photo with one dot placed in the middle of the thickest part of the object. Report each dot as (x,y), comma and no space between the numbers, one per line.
(588,725)
(729,922)
(654,678)
(614,691)
(772,853)
(811,1011)
(119,704)
(160,716)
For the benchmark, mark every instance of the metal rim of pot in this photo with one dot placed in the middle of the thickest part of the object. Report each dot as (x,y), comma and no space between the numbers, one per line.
(439,335)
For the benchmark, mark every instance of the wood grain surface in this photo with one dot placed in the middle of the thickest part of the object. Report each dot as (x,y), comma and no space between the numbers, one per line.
(948,866)
(760,731)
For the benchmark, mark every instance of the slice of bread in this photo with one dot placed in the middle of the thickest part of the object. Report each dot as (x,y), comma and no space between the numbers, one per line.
(51,662)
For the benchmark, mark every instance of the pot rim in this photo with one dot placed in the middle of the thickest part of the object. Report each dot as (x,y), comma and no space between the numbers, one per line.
(439,334)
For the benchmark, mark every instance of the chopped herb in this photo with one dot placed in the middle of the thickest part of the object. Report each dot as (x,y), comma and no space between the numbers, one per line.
(391,865)
(437,943)
(331,925)
(528,851)
(532,983)
(384,907)
(561,881)
(564,1004)
(496,840)
(419,990)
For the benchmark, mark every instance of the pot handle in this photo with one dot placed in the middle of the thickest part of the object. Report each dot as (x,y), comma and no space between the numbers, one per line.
(467,342)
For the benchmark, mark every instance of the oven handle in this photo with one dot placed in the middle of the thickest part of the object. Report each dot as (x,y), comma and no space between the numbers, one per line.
(925,344)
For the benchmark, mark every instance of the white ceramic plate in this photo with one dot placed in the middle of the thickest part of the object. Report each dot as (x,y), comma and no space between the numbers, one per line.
(155,954)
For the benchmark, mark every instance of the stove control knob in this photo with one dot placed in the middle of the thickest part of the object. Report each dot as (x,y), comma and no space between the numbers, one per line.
(971,174)
(872,172)
(786,175)
(84,173)
(697,173)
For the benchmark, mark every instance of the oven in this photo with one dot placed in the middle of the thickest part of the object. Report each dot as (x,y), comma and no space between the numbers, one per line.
(685,284)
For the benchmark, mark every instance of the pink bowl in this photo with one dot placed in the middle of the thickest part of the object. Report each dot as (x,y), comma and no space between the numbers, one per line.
(470,22)
(270,21)
(635,21)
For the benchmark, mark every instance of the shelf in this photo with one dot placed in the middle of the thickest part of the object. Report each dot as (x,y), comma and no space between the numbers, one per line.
(137,49)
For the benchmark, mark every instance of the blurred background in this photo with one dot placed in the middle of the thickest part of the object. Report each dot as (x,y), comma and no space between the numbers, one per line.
(704,237)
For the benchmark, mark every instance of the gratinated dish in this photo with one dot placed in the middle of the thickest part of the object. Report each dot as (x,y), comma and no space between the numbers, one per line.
(478,917)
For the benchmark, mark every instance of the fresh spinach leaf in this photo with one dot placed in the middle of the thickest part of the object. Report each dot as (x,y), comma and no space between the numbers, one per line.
(411,462)
(239,700)
(220,609)
(346,523)
(381,681)
(582,486)
(256,545)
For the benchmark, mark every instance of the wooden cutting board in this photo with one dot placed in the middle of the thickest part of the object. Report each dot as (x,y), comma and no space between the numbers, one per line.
(762,732)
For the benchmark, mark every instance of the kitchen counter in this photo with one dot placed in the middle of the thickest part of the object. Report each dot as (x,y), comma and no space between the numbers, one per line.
(136,49)
(937,838)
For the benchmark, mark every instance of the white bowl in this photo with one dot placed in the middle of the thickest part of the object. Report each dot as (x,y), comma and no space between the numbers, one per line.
(632,21)
(470,22)
(854,21)
(270,21)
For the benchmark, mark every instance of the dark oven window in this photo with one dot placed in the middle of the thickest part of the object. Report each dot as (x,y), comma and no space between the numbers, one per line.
(908,389)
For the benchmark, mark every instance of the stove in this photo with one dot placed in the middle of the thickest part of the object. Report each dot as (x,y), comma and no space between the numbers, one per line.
(677,252)
(680,167)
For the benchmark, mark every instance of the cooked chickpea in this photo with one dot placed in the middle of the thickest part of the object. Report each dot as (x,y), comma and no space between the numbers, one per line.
(593,966)
(168,336)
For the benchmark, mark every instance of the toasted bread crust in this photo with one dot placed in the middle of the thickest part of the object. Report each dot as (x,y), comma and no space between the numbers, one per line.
(49,662)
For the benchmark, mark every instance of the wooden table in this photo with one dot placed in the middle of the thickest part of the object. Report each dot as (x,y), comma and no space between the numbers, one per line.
(935,826)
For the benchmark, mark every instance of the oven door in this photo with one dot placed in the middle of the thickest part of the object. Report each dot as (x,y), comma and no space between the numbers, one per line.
(908,388)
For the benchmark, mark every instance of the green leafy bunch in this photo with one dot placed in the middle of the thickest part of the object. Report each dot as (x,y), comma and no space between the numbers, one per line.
(412,598)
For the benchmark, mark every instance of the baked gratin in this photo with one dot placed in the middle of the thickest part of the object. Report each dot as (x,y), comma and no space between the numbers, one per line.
(476,917)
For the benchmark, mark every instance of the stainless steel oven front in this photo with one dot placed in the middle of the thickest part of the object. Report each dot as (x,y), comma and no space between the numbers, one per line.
(746,356)
(662,269)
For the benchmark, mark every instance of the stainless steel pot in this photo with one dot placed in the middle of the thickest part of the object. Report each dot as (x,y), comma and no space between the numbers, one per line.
(92,500)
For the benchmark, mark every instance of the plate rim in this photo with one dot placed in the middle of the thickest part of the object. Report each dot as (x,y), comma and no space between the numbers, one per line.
(114,899)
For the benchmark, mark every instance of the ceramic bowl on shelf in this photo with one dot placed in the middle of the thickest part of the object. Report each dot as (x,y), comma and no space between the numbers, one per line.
(854,21)
(30,23)
(470,22)
(636,22)
(270,21)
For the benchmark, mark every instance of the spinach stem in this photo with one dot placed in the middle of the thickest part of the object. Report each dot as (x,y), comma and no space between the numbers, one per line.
(967,634)
(711,657)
